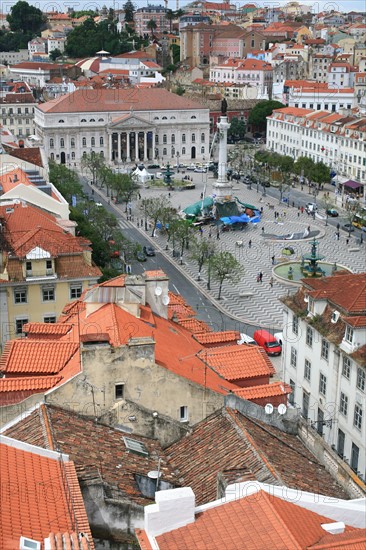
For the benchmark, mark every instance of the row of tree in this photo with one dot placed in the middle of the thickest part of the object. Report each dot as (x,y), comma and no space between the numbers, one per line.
(220,265)
(316,172)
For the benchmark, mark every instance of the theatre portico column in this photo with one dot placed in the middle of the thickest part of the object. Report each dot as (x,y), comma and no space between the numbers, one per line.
(153,145)
(119,155)
(136,146)
(128,153)
(145,147)
(110,147)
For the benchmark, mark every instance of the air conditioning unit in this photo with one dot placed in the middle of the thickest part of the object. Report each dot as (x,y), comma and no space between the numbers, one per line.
(306,299)
(335,316)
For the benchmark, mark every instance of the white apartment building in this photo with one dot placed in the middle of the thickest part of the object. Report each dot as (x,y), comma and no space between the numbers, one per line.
(244,71)
(132,124)
(17,113)
(317,95)
(341,75)
(338,140)
(324,358)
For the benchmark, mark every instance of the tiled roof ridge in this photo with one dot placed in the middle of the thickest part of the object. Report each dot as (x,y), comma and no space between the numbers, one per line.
(46,427)
(229,414)
(5,354)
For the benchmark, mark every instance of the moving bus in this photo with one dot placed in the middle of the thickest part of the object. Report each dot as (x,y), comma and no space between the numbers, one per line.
(360,220)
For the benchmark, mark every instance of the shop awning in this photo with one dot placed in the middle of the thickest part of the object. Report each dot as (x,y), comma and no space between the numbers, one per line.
(352,184)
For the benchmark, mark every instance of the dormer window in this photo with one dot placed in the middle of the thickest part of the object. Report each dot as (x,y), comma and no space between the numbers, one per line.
(349,334)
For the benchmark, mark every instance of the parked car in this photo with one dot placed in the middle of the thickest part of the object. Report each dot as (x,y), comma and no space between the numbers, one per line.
(268,342)
(140,256)
(246,339)
(332,212)
(279,337)
(148,251)
(311,207)
(200,170)
(348,227)
(153,166)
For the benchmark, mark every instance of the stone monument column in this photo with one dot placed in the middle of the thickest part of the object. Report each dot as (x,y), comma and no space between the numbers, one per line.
(222,188)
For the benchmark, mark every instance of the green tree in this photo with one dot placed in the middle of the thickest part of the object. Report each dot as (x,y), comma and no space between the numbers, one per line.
(175,49)
(170,16)
(258,115)
(151,25)
(201,249)
(225,267)
(304,166)
(237,128)
(129,10)
(55,54)
(320,173)
(92,163)
(125,188)
(25,18)
(327,203)
(154,208)
(66,181)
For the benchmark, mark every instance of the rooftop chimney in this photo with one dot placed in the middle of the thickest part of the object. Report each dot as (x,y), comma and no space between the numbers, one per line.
(174,508)
(335,528)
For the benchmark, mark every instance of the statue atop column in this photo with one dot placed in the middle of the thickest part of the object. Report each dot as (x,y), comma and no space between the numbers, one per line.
(224,107)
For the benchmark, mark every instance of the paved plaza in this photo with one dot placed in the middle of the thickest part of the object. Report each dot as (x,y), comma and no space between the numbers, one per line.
(250,301)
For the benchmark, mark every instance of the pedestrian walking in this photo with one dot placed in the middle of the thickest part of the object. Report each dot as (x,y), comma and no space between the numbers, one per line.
(218,235)
(271,282)
(260,276)
(308,228)
(273,260)
(169,194)
(298,214)
(347,241)
(250,243)
(302,210)
(201,231)
(262,230)
(210,234)
(139,196)
(338,235)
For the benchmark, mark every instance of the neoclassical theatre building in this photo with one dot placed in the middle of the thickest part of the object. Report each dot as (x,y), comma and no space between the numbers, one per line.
(123,125)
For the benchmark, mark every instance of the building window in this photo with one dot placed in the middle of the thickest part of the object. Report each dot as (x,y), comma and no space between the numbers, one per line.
(101,141)
(349,334)
(309,336)
(19,323)
(73,156)
(84,141)
(75,291)
(193,117)
(164,151)
(293,359)
(307,370)
(164,138)
(357,417)
(183,138)
(183,150)
(202,150)
(62,142)
(20,295)
(173,138)
(193,138)
(346,367)
(325,349)
(49,319)
(52,143)
(295,324)
(61,121)
(72,142)
(343,404)
(183,414)
(92,142)
(48,294)
(119,390)
(305,404)
(340,443)
(361,375)
(291,397)
(322,384)
(28,268)
(203,137)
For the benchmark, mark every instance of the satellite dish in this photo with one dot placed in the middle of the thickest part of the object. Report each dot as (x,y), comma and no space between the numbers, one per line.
(154,474)
(281,408)
(166,299)
(158,291)
(269,408)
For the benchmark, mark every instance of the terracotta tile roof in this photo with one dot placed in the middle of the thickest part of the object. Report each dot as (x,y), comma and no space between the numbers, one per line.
(217,337)
(30,511)
(351,540)
(49,329)
(98,451)
(266,390)
(156,273)
(346,291)
(261,520)
(107,100)
(355,321)
(194,325)
(14,390)
(180,311)
(118,281)
(295,111)
(238,362)
(36,357)
(29,154)
(36,66)
(245,449)
(75,267)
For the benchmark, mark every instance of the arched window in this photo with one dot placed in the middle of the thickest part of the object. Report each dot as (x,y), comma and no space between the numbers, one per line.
(61,121)
(92,120)
(62,142)
(84,154)
(173,138)
(52,143)
(183,138)
(193,116)
(92,142)
(102,153)
(173,152)
(172,118)
(83,120)
(202,150)
(52,155)
(156,139)
(72,142)
(164,151)
(100,119)
(84,142)
(183,150)
(164,118)
(156,118)
(73,156)
(193,138)
(164,138)
(101,140)
(203,137)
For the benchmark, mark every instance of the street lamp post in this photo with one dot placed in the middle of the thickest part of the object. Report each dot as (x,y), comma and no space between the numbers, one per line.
(209,272)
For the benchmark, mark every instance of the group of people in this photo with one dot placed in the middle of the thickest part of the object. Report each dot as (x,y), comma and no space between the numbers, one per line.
(260,279)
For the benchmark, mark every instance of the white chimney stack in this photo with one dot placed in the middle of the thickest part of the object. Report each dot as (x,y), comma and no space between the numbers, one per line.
(174,508)
(335,528)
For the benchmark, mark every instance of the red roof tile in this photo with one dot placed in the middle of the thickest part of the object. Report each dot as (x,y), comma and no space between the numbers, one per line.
(347,291)
(28,383)
(39,496)
(350,540)
(36,357)
(217,337)
(238,362)
(266,390)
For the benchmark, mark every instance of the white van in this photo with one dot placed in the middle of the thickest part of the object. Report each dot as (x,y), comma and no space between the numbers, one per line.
(245,339)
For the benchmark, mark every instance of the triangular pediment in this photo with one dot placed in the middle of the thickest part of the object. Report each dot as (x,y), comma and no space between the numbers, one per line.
(38,253)
(130,121)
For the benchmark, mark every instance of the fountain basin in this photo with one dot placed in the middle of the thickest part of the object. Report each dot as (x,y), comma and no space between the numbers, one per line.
(324,269)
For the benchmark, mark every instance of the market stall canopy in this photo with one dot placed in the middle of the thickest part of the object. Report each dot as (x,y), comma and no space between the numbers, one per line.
(196,208)
(351,184)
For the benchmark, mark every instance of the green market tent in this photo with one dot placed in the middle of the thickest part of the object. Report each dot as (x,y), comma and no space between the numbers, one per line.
(196,208)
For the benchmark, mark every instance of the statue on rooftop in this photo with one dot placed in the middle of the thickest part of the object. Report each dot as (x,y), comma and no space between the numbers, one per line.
(224,107)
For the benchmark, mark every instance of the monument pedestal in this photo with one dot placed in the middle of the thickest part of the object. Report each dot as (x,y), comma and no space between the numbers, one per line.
(222,188)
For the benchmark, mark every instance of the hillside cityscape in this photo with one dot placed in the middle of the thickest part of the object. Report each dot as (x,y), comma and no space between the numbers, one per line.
(183,276)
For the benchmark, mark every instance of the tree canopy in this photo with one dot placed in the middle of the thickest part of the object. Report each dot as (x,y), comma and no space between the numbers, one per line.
(258,115)
(225,267)
(25,18)
(237,128)
(129,9)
